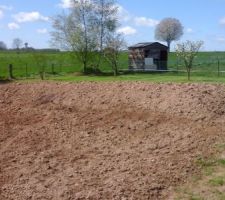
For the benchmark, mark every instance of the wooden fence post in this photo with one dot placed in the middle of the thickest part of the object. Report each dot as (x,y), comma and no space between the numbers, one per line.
(53,68)
(26,70)
(42,72)
(218,65)
(60,67)
(10,70)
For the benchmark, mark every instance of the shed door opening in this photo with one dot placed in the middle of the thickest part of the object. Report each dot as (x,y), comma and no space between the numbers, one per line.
(164,55)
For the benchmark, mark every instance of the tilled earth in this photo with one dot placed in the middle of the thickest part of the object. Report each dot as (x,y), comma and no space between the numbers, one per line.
(122,141)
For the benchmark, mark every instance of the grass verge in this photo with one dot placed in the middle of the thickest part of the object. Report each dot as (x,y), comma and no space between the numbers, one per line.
(155,78)
(210,185)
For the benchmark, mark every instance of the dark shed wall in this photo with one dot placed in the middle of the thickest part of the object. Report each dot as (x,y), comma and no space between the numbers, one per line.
(157,51)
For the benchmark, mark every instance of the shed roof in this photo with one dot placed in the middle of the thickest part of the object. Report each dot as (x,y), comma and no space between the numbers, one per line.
(146,44)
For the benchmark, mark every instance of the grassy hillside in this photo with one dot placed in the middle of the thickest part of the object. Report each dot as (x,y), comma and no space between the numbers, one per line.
(26,64)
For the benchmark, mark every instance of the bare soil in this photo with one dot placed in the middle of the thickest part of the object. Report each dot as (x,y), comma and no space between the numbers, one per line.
(122,141)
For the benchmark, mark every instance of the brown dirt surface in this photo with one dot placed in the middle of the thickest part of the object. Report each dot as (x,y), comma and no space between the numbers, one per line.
(122,141)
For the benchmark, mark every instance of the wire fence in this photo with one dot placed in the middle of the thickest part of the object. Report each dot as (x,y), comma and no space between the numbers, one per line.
(25,66)
(208,67)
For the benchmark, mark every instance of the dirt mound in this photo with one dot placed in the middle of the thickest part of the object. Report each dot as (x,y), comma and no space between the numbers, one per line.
(105,140)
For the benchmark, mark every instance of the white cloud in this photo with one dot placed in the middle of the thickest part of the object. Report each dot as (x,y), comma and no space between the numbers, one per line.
(69,3)
(127,30)
(66,4)
(1,14)
(29,17)
(190,30)
(220,39)
(143,21)
(13,26)
(123,14)
(4,7)
(42,31)
(222,21)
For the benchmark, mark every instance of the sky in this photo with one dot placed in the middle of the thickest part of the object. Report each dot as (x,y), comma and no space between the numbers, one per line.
(30,20)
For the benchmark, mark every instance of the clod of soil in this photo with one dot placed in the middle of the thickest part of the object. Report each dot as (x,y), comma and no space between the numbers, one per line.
(127,140)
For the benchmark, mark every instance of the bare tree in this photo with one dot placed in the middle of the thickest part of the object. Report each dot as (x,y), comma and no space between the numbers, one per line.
(168,30)
(76,31)
(2,46)
(85,28)
(17,43)
(115,44)
(106,13)
(187,52)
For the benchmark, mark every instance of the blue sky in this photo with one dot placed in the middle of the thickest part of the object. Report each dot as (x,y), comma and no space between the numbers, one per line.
(202,20)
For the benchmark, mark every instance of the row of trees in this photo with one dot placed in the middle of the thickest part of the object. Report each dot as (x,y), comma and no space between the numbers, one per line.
(89,30)
(3,46)
(16,44)
(19,46)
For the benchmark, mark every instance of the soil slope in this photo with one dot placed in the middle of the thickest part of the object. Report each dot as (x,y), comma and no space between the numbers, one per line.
(132,140)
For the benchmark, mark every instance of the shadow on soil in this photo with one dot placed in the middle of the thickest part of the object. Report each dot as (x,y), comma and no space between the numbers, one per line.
(5,81)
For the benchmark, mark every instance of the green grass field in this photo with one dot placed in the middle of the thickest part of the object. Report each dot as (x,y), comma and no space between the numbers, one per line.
(63,66)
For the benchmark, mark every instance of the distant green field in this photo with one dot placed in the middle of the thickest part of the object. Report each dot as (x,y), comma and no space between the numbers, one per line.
(25,64)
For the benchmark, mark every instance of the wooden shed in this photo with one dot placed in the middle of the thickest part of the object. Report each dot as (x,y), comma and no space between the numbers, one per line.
(148,56)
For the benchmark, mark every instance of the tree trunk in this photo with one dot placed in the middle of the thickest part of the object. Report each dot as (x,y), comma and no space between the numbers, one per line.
(100,54)
(115,72)
(168,44)
(86,42)
(115,69)
(85,67)
(189,74)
